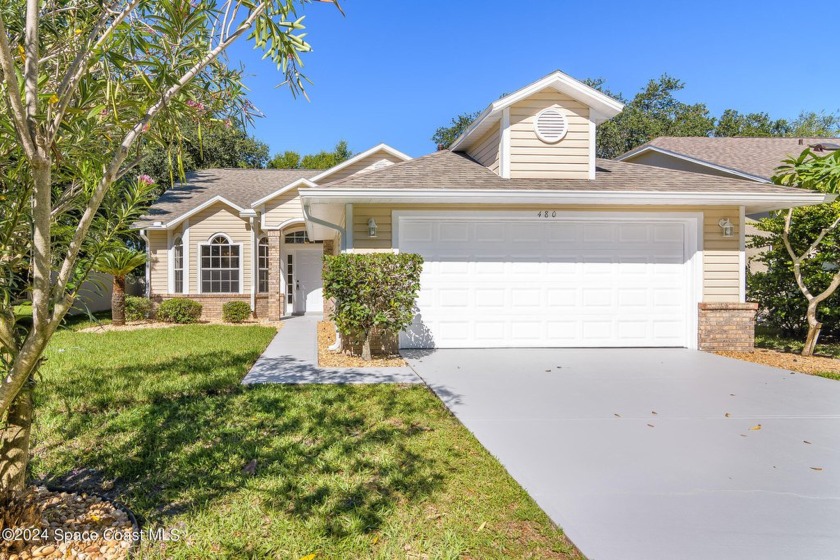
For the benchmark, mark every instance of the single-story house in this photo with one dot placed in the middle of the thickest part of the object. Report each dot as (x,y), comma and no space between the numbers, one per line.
(753,159)
(529,240)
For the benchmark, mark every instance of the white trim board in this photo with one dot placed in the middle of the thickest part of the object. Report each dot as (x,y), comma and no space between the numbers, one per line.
(293,185)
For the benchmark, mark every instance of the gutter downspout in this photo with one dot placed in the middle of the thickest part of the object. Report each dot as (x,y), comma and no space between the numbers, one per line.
(307,216)
(147,289)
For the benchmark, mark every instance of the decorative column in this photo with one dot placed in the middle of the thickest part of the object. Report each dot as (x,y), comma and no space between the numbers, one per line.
(276,294)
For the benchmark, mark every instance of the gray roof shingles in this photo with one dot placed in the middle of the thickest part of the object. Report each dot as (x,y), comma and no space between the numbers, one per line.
(452,170)
(755,156)
(240,186)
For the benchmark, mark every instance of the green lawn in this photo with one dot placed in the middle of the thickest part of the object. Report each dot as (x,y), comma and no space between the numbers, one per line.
(342,471)
(765,338)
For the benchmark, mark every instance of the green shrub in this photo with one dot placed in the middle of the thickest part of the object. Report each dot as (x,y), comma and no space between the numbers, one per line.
(137,308)
(179,310)
(373,292)
(236,311)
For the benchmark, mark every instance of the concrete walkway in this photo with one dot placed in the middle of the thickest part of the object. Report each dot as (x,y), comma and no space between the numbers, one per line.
(646,454)
(292,357)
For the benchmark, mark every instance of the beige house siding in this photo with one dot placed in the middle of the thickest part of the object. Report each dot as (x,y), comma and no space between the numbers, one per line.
(158,261)
(371,163)
(219,218)
(486,150)
(283,208)
(531,157)
(721,260)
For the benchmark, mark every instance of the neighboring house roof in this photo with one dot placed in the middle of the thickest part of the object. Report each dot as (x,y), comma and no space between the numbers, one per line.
(603,107)
(238,187)
(752,158)
(447,170)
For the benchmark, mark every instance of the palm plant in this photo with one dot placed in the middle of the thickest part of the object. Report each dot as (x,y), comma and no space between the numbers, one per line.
(119,262)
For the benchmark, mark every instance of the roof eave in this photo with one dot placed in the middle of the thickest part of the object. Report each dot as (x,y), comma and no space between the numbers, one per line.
(753,202)
(648,148)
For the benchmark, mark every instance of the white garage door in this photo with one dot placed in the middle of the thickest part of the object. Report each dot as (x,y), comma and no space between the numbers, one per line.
(490,281)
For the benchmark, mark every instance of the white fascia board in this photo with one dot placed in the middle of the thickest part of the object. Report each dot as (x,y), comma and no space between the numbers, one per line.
(294,185)
(604,106)
(704,163)
(199,208)
(358,157)
(752,201)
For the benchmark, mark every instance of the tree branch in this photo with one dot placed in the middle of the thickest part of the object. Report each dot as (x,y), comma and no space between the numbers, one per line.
(77,68)
(113,168)
(7,63)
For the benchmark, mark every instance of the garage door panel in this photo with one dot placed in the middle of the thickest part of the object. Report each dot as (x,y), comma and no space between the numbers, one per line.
(490,283)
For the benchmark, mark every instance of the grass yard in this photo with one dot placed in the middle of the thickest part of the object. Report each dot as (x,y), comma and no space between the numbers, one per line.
(341,471)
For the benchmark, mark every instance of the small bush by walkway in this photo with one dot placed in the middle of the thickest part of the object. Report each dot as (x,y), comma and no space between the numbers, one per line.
(157,418)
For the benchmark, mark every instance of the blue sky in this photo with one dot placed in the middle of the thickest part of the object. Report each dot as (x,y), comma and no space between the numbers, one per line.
(394,70)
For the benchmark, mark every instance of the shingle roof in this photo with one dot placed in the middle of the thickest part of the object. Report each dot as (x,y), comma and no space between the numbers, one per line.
(240,186)
(754,156)
(454,170)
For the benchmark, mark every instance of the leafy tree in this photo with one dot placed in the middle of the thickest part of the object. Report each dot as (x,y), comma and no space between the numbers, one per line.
(321,160)
(119,262)
(203,146)
(286,160)
(805,242)
(446,135)
(733,123)
(372,292)
(654,111)
(84,86)
(817,125)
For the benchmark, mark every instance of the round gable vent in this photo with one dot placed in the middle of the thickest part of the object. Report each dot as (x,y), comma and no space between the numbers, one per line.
(551,125)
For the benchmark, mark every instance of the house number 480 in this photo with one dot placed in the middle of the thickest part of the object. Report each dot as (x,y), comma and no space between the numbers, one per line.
(547,214)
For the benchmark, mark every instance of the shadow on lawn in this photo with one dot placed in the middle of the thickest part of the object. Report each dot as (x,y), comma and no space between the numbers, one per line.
(174,436)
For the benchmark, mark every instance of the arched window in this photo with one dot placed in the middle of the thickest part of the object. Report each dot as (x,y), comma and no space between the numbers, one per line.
(178,265)
(219,266)
(262,265)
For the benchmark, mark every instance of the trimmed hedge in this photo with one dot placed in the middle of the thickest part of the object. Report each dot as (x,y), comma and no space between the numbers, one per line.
(137,308)
(236,311)
(179,310)
(373,292)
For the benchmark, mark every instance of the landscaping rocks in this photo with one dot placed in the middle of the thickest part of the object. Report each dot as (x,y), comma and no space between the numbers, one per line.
(77,526)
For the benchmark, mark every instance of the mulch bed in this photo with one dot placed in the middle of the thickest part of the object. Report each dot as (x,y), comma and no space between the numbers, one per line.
(328,358)
(792,362)
(79,526)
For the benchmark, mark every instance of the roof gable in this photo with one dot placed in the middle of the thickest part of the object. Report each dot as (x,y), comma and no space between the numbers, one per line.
(602,107)
(378,150)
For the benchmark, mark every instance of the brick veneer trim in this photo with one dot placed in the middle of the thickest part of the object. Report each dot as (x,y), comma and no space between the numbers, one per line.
(726,326)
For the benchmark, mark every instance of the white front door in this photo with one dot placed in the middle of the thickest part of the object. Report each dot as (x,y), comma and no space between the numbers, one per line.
(304,293)
(523,281)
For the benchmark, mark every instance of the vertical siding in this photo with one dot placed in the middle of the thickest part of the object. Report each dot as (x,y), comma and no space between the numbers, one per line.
(159,262)
(220,219)
(486,150)
(531,157)
(283,208)
(373,162)
(721,264)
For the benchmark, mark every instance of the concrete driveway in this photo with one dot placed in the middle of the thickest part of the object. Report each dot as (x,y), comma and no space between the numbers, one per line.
(648,454)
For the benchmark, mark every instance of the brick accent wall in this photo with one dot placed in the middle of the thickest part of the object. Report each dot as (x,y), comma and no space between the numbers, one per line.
(211,304)
(726,326)
(276,291)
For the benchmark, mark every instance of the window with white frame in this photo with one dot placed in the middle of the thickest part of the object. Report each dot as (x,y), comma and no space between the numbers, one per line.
(178,265)
(262,265)
(298,238)
(219,266)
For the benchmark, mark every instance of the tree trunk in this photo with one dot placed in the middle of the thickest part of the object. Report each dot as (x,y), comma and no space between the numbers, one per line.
(366,347)
(14,440)
(118,301)
(814,327)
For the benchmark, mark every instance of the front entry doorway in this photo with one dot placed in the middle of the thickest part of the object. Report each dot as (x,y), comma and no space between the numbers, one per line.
(304,293)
